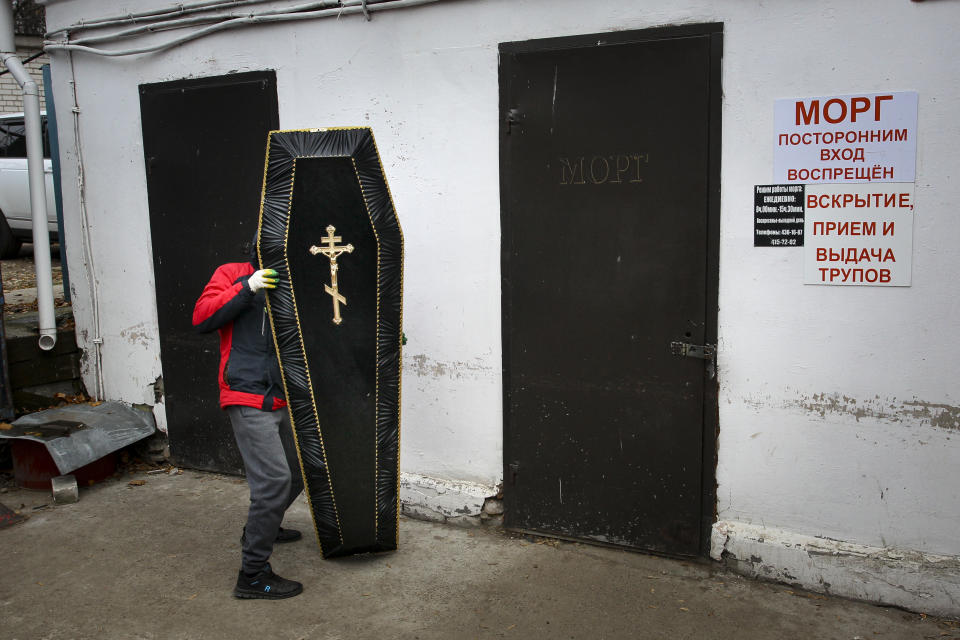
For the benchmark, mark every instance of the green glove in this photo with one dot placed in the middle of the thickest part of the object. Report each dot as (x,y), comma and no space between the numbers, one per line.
(263,279)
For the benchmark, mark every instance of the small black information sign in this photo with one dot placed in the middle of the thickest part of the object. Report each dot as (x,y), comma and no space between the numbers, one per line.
(778,215)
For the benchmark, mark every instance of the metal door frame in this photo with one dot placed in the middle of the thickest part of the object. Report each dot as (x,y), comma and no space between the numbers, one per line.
(711,426)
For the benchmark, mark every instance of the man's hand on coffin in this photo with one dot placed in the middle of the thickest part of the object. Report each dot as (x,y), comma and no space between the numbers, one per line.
(263,279)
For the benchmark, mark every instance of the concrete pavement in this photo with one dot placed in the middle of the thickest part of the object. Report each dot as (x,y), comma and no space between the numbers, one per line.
(158,560)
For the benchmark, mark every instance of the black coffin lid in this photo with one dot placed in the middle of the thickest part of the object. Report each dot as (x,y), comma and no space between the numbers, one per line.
(342,379)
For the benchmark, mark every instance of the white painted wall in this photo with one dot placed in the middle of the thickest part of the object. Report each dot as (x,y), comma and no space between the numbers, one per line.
(839,405)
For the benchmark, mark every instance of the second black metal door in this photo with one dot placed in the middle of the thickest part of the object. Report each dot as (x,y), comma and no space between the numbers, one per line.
(204,142)
(609,251)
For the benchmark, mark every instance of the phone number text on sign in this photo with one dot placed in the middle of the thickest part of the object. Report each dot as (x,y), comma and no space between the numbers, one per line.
(858,234)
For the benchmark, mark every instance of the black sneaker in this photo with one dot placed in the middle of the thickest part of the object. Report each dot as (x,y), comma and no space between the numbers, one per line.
(265,584)
(288,535)
(283,535)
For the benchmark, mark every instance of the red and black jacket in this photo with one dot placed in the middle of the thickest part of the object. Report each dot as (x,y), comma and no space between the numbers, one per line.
(249,370)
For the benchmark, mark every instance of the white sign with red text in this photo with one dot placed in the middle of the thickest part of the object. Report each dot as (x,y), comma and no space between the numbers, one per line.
(865,137)
(858,234)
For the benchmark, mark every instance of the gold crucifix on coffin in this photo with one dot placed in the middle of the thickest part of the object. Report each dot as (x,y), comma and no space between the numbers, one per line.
(332,250)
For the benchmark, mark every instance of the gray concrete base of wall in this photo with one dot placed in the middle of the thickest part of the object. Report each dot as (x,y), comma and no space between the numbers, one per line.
(920,582)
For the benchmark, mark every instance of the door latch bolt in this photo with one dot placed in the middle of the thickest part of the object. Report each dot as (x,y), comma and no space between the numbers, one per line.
(685,349)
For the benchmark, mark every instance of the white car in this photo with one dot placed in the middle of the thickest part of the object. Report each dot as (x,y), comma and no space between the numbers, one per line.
(16,224)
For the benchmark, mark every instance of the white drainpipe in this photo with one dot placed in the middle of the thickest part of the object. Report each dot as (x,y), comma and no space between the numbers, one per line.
(38,195)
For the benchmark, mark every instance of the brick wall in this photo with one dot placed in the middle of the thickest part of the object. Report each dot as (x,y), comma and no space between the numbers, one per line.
(11,97)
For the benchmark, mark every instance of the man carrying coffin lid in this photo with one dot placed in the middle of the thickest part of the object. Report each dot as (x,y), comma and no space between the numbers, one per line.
(233,303)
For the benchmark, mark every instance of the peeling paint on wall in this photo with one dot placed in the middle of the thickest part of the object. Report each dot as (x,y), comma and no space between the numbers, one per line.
(158,390)
(441,500)
(912,412)
(425,367)
(919,581)
(137,334)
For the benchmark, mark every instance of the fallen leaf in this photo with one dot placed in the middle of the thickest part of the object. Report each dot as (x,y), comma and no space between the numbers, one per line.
(95,403)
(510,627)
(193,596)
(684,609)
(137,483)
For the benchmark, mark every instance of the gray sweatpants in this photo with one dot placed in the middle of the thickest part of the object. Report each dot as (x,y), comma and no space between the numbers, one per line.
(273,475)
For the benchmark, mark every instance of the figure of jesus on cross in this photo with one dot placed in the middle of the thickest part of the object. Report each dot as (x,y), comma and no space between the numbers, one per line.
(331,250)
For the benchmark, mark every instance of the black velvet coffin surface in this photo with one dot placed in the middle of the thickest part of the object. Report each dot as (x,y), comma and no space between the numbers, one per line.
(336,318)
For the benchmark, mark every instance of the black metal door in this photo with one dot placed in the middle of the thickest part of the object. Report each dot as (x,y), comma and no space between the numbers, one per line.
(609,176)
(204,144)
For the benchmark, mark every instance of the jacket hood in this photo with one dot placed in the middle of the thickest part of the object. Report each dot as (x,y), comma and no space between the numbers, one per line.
(253,252)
